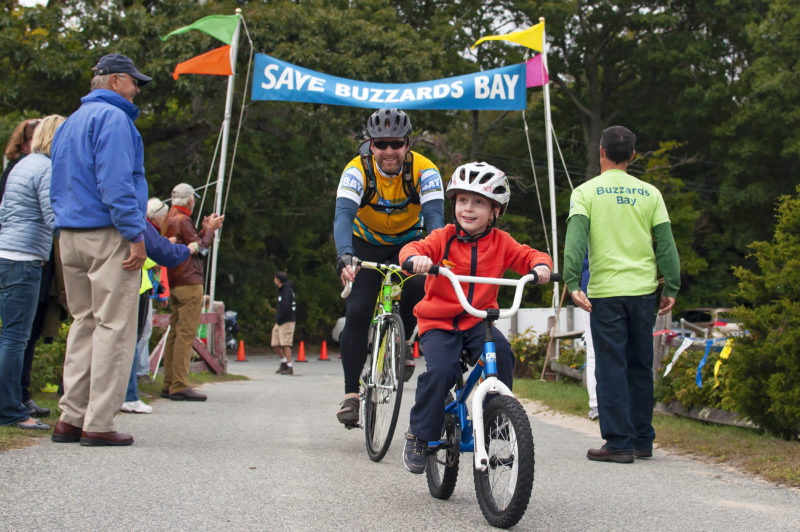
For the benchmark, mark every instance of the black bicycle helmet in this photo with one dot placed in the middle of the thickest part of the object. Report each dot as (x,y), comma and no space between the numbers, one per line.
(388,123)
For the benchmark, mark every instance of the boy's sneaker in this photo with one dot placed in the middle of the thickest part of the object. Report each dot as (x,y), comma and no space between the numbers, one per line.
(593,413)
(348,412)
(288,370)
(415,454)
(282,368)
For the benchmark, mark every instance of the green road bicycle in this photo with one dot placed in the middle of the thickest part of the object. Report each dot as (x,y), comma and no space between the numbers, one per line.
(382,380)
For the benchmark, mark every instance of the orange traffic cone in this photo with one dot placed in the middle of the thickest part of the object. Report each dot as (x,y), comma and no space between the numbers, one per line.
(240,355)
(301,353)
(324,352)
(416,349)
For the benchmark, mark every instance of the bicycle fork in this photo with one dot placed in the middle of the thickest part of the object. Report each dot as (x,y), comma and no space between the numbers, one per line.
(491,385)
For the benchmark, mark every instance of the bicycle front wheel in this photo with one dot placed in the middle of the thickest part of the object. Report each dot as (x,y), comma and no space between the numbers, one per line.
(504,489)
(382,405)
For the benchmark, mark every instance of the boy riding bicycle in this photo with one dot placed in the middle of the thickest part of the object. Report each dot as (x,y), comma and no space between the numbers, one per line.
(480,194)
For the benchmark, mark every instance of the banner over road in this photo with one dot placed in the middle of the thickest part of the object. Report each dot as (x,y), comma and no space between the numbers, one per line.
(501,89)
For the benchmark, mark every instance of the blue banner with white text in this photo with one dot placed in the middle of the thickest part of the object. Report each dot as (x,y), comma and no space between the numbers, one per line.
(500,89)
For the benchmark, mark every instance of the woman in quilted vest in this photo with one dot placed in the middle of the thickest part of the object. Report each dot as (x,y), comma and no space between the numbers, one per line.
(26,236)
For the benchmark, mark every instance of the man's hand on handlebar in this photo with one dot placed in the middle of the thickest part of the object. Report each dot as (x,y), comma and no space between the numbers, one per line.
(345,265)
(422,263)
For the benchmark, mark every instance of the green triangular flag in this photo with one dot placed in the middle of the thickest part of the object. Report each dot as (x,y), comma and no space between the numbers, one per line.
(218,26)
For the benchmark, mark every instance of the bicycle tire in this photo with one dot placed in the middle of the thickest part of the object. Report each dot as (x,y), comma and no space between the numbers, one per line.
(382,405)
(442,468)
(504,489)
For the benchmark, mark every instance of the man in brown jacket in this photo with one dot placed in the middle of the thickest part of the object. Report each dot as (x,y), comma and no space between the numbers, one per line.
(186,293)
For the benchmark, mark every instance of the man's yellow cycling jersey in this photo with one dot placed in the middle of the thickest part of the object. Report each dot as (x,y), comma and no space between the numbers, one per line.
(378,223)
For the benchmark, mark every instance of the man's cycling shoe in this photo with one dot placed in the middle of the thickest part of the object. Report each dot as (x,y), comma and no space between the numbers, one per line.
(415,454)
(348,412)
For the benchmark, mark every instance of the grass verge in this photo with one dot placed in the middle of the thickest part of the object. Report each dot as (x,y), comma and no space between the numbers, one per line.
(771,458)
(14,438)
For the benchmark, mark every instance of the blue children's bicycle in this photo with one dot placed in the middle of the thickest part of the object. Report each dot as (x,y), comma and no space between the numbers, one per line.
(496,430)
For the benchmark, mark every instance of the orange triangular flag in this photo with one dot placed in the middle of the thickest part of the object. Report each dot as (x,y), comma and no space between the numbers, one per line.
(217,62)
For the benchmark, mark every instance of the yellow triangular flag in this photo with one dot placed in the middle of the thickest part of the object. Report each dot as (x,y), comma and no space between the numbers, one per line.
(532,37)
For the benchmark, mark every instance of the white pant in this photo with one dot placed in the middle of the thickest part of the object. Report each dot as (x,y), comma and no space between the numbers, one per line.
(591,381)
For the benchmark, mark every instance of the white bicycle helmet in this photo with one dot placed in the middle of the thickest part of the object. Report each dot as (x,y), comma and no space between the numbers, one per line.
(482,179)
(388,123)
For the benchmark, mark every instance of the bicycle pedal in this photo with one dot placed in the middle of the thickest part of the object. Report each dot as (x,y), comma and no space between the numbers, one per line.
(350,426)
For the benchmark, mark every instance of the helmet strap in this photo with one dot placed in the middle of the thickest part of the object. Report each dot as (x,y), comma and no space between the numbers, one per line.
(463,236)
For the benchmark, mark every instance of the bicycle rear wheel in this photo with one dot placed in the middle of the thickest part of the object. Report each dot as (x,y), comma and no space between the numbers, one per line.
(382,405)
(504,489)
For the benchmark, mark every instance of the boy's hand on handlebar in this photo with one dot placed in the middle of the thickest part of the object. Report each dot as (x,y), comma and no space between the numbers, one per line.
(544,274)
(422,263)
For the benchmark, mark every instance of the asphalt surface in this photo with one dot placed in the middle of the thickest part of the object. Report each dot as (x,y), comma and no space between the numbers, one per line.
(268,454)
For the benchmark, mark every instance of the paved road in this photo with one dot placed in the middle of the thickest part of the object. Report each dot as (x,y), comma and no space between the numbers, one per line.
(268,454)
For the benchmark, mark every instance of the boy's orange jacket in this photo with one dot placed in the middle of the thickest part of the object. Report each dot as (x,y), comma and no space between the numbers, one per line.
(489,256)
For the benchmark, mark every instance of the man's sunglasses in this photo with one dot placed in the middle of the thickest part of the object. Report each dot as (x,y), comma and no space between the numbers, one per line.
(134,80)
(383,144)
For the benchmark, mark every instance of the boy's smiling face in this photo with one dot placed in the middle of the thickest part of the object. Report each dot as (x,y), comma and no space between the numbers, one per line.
(474,213)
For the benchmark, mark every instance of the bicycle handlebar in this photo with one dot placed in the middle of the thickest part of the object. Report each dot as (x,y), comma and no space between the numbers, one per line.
(455,280)
(369,265)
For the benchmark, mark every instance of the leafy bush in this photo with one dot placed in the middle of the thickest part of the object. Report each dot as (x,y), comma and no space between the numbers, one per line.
(765,367)
(681,385)
(48,360)
(570,354)
(530,350)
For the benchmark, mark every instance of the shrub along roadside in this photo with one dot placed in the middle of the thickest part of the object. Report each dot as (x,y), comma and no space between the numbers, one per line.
(765,373)
(769,457)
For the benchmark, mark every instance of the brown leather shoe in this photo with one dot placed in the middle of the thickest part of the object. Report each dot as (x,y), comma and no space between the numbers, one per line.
(604,455)
(105,438)
(63,432)
(643,453)
(187,395)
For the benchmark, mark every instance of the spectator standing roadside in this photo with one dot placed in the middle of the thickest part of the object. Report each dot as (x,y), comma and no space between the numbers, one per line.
(283,331)
(99,195)
(186,293)
(26,238)
(156,214)
(49,311)
(162,251)
(618,215)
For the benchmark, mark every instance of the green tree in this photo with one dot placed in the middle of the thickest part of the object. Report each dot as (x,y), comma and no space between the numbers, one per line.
(764,373)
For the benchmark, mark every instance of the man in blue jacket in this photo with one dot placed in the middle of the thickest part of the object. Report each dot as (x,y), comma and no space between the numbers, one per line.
(99,196)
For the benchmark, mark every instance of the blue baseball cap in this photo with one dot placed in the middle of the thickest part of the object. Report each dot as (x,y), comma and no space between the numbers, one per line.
(119,64)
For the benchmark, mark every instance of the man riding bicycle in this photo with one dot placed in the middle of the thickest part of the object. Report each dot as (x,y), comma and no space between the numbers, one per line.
(387,196)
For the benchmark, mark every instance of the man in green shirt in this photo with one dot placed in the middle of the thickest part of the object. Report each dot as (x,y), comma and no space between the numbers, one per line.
(618,216)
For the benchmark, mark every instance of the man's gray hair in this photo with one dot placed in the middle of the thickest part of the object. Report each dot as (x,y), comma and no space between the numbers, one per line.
(182,202)
(101,82)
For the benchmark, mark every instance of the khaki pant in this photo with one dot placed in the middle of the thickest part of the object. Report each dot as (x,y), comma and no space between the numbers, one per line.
(186,304)
(103,300)
(282,334)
